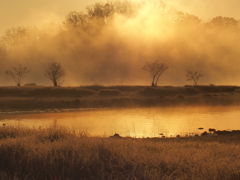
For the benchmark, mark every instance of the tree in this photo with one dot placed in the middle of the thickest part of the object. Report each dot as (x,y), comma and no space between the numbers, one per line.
(193,76)
(156,69)
(76,19)
(224,25)
(19,37)
(17,73)
(55,72)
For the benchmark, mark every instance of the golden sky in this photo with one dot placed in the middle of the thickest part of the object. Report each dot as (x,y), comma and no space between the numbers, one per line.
(15,13)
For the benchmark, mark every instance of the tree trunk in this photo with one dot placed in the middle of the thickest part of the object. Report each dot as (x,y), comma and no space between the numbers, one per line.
(54,83)
(195,82)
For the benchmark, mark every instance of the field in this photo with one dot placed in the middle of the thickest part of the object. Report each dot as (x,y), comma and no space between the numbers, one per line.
(41,98)
(66,154)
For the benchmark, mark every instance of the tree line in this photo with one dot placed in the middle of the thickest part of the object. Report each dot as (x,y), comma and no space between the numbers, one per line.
(55,73)
(99,15)
(156,69)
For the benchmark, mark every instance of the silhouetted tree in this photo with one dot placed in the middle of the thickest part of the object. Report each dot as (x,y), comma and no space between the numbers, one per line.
(19,37)
(187,19)
(224,22)
(125,7)
(193,76)
(55,72)
(224,25)
(13,37)
(100,10)
(76,20)
(50,29)
(17,73)
(156,69)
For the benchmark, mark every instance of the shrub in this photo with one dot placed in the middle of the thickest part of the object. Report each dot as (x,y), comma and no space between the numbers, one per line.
(180,97)
(190,91)
(109,92)
(168,91)
(157,91)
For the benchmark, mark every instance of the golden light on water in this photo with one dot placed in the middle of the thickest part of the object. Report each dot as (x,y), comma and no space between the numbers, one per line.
(145,122)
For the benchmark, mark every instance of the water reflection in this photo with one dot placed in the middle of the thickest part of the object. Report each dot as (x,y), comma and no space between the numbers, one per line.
(144,122)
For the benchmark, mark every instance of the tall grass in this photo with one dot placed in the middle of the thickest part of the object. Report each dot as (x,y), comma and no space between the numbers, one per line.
(66,154)
(42,91)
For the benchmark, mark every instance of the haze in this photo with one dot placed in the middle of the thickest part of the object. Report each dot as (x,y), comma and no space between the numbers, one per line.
(115,52)
(34,12)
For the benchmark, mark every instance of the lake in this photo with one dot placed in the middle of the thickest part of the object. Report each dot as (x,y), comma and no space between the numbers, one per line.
(137,122)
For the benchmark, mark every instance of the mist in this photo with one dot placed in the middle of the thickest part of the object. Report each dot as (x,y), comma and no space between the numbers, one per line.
(110,42)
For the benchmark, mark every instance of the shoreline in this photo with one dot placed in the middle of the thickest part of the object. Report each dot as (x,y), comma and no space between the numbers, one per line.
(45,98)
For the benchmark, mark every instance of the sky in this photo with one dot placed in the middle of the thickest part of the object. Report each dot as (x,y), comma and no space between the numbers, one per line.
(117,54)
(14,13)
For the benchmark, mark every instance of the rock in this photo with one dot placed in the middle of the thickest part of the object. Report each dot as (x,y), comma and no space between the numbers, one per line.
(211,130)
(204,133)
(116,136)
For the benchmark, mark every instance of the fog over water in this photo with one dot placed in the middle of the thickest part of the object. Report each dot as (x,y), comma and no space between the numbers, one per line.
(110,42)
(142,122)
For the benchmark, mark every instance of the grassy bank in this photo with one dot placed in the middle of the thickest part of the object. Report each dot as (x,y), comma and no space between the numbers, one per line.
(28,98)
(65,154)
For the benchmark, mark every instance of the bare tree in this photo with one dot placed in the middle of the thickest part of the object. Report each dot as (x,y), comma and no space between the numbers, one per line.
(156,69)
(20,37)
(76,19)
(193,76)
(17,73)
(55,72)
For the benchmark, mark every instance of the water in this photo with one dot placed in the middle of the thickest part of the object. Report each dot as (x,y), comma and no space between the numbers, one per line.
(143,122)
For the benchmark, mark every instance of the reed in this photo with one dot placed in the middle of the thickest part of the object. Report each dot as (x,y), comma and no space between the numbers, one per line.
(67,154)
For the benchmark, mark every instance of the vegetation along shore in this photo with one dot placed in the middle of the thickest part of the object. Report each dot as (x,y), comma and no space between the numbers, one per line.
(41,98)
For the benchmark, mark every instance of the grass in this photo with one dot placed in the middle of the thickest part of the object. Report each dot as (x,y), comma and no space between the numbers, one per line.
(65,154)
(42,91)
(109,92)
(31,98)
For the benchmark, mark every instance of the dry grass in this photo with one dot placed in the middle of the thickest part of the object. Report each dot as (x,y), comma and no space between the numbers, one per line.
(65,154)
(40,91)
(31,98)
(109,92)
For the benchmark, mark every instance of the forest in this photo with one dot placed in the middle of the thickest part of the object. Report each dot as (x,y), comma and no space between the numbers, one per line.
(108,44)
